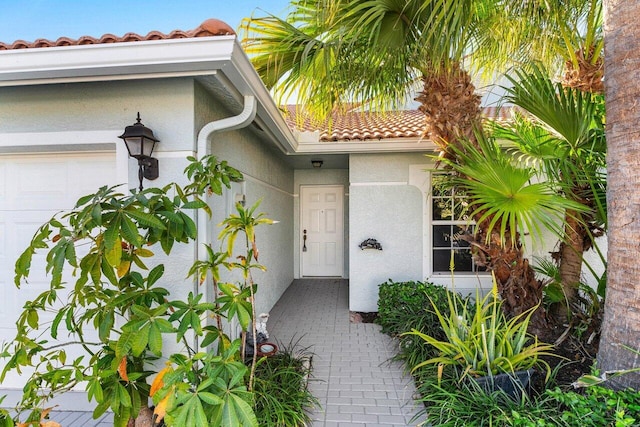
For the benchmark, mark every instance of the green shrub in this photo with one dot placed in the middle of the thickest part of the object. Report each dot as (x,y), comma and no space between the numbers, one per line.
(453,404)
(598,407)
(404,306)
(281,395)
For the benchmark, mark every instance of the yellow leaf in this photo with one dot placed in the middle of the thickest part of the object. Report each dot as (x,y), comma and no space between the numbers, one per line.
(157,382)
(161,409)
(122,369)
(123,268)
(144,253)
(50,424)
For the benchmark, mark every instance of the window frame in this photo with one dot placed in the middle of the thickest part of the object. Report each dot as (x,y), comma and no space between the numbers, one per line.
(453,222)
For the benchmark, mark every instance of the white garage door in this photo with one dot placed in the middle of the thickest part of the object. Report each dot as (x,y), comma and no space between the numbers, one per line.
(32,189)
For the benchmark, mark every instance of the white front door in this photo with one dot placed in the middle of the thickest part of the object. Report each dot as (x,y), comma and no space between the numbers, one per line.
(321,232)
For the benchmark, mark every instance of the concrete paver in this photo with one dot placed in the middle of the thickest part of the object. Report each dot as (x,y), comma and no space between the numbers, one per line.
(353,375)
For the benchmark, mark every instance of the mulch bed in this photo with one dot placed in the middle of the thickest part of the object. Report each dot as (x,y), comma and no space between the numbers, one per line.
(362,317)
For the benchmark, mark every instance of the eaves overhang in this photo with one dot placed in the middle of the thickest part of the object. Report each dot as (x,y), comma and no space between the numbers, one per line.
(149,59)
(399,145)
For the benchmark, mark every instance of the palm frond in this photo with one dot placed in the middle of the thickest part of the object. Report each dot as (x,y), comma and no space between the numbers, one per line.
(569,113)
(504,195)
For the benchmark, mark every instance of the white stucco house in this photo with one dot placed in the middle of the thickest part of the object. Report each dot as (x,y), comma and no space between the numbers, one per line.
(64,103)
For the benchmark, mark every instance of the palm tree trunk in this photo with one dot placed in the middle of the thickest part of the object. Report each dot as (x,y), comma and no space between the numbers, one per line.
(621,322)
(518,287)
(570,261)
(452,110)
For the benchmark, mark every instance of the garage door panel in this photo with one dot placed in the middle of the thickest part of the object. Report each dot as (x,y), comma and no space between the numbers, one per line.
(39,185)
(32,189)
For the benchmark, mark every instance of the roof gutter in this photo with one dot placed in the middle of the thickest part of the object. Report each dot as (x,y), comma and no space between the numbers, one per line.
(202,149)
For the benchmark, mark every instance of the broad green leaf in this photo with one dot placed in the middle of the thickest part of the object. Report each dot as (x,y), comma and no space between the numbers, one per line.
(56,322)
(84,200)
(108,271)
(144,253)
(190,226)
(33,318)
(146,219)
(194,204)
(237,412)
(210,398)
(96,214)
(106,325)
(125,343)
(141,339)
(155,274)
(130,231)
(155,340)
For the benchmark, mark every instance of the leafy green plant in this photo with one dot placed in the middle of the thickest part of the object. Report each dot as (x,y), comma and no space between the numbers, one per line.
(481,341)
(598,406)
(282,398)
(584,310)
(453,404)
(404,306)
(5,417)
(105,241)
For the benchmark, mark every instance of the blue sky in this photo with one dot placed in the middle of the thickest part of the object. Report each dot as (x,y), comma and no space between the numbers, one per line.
(32,19)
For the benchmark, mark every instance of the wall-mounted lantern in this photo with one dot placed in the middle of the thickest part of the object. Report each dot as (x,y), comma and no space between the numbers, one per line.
(140,143)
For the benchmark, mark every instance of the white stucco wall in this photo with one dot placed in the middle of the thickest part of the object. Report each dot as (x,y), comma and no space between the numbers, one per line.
(383,206)
(267,178)
(165,106)
(320,177)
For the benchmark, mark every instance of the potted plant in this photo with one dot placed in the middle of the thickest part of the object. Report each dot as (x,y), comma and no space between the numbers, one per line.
(482,344)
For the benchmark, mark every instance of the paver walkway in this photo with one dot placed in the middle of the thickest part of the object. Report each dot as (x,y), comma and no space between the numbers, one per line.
(352,376)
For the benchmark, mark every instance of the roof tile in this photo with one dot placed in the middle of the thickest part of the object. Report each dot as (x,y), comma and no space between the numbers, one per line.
(210,27)
(371,126)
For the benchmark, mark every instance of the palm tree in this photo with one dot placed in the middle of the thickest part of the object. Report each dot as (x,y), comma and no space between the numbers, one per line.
(621,323)
(564,35)
(565,138)
(375,52)
(506,197)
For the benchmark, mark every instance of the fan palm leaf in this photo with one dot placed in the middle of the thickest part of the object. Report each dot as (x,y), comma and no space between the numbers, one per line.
(504,195)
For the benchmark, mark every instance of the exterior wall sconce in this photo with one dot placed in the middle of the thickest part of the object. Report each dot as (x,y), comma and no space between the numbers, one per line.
(317,163)
(140,143)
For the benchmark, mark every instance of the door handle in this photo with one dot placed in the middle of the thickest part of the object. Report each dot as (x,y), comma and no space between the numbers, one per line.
(304,240)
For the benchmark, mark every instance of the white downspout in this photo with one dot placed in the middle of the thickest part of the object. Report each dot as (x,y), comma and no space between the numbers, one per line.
(229,123)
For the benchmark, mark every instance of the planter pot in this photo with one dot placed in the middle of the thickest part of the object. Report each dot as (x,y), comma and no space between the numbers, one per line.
(267,349)
(512,384)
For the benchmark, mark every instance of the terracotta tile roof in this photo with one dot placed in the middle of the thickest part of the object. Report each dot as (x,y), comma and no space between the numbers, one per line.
(367,126)
(210,27)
